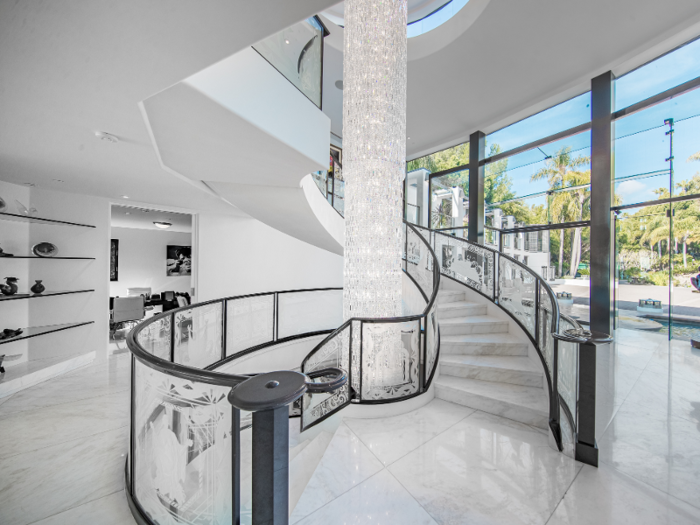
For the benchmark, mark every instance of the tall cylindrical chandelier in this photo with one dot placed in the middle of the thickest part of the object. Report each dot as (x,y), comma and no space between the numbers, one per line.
(374,155)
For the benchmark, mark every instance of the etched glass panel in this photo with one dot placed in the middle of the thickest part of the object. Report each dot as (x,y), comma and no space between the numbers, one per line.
(182,449)
(303,312)
(390,360)
(567,433)
(516,292)
(249,322)
(155,338)
(417,260)
(431,334)
(568,369)
(335,353)
(545,340)
(198,335)
(468,263)
(356,351)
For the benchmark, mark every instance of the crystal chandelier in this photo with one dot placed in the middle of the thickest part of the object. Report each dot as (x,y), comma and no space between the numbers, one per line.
(374,143)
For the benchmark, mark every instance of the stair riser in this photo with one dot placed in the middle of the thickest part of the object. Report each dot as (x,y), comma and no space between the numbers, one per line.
(474,328)
(451,298)
(463,311)
(492,406)
(489,373)
(483,349)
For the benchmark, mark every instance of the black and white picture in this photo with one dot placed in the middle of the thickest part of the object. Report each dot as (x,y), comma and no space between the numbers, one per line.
(114,260)
(179,260)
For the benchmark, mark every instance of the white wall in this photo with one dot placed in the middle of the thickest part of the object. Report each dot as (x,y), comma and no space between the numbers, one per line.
(238,256)
(71,275)
(142,255)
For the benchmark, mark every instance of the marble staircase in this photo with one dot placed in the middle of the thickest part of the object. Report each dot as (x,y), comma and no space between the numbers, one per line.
(484,366)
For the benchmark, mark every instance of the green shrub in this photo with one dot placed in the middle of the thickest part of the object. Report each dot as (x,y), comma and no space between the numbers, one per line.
(584,271)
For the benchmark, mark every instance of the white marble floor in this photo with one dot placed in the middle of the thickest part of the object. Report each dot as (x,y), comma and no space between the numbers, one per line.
(62,445)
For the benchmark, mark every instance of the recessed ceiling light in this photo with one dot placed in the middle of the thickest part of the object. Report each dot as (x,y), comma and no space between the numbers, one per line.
(339,84)
(103,135)
(125,196)
(128,213)
(162,225)
(286,41)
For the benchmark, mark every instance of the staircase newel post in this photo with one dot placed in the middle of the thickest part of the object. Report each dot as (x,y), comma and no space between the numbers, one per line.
(268,396)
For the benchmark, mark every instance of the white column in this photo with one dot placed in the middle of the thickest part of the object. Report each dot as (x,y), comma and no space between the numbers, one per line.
(374,155)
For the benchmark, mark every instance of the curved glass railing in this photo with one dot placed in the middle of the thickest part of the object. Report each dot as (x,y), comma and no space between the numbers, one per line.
(387,359)
(184,460)
(511,285)
(530,301)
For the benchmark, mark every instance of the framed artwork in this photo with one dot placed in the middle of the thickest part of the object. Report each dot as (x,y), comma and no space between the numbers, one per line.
(178,261)
(114,260)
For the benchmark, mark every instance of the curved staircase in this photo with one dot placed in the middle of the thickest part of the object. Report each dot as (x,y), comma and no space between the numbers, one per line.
(484,366)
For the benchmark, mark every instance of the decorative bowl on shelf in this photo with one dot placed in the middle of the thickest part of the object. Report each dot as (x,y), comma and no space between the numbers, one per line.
(45,249)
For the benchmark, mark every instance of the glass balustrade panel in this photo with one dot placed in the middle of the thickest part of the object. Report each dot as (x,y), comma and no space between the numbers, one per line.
(182,449)
(431,341)
(417,262)
(390,360)
(334,353)
(303,312)
(297,53)
(156,337)
(249,322)
(545,339)
(516,292)
(467,263)
(568,370)
(198,335)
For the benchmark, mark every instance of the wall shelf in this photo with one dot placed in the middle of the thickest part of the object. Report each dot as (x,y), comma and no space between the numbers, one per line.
(35,331)
(38,296)
(46,258)
(40,220)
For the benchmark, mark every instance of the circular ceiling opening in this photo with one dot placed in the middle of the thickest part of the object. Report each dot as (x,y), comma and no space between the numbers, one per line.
(423,15)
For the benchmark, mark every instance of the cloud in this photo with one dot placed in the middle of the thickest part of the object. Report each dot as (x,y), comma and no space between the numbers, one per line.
(630,187)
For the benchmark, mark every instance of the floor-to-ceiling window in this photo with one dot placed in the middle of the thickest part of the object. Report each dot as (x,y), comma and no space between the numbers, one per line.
(656,192)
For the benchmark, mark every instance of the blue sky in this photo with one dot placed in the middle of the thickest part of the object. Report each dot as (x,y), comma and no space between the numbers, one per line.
(641,144)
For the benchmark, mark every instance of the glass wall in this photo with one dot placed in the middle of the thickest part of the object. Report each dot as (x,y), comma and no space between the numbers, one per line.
(297,53)
(657,245)
(448,200)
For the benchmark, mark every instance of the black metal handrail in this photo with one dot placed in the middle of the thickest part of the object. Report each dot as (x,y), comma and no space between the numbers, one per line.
(540,339)
(353,351)
(192,398)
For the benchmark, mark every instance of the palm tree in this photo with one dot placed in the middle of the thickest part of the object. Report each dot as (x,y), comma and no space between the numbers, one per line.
(561,172)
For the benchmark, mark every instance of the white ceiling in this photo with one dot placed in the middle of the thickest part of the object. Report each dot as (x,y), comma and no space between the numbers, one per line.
(516,58)
(71,67)
(143,218)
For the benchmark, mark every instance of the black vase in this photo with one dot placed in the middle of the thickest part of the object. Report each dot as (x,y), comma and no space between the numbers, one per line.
(38,288)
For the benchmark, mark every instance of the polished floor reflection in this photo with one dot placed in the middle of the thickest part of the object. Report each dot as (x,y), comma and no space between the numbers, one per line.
(62,444)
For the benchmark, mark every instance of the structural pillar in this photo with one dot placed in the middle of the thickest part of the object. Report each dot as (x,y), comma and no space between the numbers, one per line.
(602,238)
(374,155)
(477,153)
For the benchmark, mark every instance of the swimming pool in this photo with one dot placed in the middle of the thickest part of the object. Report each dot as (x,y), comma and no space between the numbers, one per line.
(680,330)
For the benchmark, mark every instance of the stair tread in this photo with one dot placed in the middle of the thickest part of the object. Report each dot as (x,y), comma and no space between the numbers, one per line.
(480,319)
(506,362)
(458,304)
(533,398)
(496,338)
(449,292)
